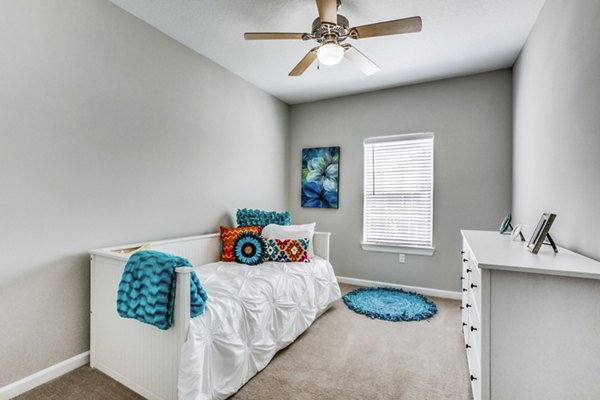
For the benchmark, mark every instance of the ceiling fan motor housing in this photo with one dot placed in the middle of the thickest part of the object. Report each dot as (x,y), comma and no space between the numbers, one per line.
(323,32)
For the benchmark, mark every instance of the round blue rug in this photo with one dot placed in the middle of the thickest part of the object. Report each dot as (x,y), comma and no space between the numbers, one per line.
(390,304)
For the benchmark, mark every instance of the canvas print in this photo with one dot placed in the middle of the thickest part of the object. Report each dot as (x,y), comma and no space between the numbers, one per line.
(320,177)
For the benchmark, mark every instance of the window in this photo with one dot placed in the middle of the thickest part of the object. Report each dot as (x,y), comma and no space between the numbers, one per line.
(398,194)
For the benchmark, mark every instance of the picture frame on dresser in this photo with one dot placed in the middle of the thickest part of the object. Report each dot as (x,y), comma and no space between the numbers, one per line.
(507,228)
(541,232)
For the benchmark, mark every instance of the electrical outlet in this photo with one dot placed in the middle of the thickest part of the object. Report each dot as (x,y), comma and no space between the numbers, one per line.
(401,258)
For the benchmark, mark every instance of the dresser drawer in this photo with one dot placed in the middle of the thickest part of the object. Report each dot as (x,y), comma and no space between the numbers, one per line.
(473,357)
(474,290)
(464,280)
(474,329)
(464,257)
(466,272)
(473,269)
(475,309)
(474,283)
(469,305)
(469,268)
(465,323)
(474,323)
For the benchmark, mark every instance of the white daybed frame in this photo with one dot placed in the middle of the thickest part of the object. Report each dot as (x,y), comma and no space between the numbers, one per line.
(140,356)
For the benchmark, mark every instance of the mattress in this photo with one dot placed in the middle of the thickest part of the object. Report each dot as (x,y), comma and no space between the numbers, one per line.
(251,313)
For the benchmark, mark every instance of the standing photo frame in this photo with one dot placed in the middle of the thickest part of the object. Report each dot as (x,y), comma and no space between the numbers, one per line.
(506,223)
(541,232)
(517,234)
(506,227)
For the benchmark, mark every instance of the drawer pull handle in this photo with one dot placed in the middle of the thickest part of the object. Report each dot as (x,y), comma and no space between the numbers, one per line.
(462,252)
(464,324)
(473,328)
(473,378)
(473,286)
(465,260)
(464,290)
(462,308)
(469,271)
(467,346)
(468,305)
(462,278)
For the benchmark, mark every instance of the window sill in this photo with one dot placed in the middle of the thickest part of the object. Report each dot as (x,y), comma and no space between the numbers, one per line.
(420,251)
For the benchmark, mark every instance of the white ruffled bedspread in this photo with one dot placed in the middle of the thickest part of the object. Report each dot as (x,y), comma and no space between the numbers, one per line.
(251,313)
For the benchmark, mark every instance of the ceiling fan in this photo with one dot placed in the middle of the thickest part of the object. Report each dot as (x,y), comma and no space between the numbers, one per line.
(331,30)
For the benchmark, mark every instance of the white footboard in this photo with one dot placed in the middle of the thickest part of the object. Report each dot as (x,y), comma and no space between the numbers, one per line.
(138,355)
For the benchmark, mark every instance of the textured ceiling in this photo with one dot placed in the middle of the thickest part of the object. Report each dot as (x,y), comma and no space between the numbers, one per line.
(459,37)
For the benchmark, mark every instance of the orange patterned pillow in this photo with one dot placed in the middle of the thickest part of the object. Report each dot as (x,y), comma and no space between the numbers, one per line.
(228,236)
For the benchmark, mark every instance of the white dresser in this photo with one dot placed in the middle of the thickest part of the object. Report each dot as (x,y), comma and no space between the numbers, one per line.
(531,322)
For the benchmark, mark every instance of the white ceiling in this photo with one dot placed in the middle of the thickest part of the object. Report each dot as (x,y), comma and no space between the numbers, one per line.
(459,37)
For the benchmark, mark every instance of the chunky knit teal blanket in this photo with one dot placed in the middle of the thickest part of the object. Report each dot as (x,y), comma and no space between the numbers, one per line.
(147,289)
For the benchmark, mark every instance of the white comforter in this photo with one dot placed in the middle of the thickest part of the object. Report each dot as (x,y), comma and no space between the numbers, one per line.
(252,312)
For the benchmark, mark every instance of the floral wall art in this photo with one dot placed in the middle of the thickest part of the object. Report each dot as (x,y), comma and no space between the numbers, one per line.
(320,177)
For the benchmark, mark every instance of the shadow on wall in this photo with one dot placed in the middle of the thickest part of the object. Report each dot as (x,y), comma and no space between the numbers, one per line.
(227,220)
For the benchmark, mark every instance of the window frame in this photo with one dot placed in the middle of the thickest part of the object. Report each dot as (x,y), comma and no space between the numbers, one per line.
(388,248)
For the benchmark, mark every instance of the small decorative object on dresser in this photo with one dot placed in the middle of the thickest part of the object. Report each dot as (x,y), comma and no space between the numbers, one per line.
(506,224)
(517,232)
(541,233)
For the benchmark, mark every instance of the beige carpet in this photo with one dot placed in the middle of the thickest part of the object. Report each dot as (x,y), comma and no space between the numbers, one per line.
(342,356)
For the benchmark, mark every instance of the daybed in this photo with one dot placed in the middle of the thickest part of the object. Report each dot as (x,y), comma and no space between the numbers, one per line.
(252,312)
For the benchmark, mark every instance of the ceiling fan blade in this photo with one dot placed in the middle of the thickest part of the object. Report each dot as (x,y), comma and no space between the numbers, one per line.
(363,63)
(394,27)
(273,35)
(308,59)
(327,11)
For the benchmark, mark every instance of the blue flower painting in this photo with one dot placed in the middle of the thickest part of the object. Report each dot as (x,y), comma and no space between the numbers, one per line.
(320,177)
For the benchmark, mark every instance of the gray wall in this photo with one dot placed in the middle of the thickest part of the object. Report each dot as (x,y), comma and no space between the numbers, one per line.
(471,119)
(556,164)
(111,132)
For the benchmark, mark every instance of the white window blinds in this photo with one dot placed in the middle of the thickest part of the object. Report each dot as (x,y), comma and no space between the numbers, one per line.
(398,192)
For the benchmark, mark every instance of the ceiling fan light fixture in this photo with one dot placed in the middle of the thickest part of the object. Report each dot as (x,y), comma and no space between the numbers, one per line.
(330,54)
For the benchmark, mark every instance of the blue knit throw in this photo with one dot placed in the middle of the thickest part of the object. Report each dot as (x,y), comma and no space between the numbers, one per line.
(147,289)
(390,304)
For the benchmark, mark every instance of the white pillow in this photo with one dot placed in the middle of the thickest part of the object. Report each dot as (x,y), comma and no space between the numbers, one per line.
(282,232)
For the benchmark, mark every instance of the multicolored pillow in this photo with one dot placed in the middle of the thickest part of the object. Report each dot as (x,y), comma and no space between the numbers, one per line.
(246,217)
(249,249)
(228,236)
(306,231)
(287,250)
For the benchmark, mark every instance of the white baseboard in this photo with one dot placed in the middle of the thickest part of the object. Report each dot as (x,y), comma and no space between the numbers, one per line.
(446,294)
(29,382)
